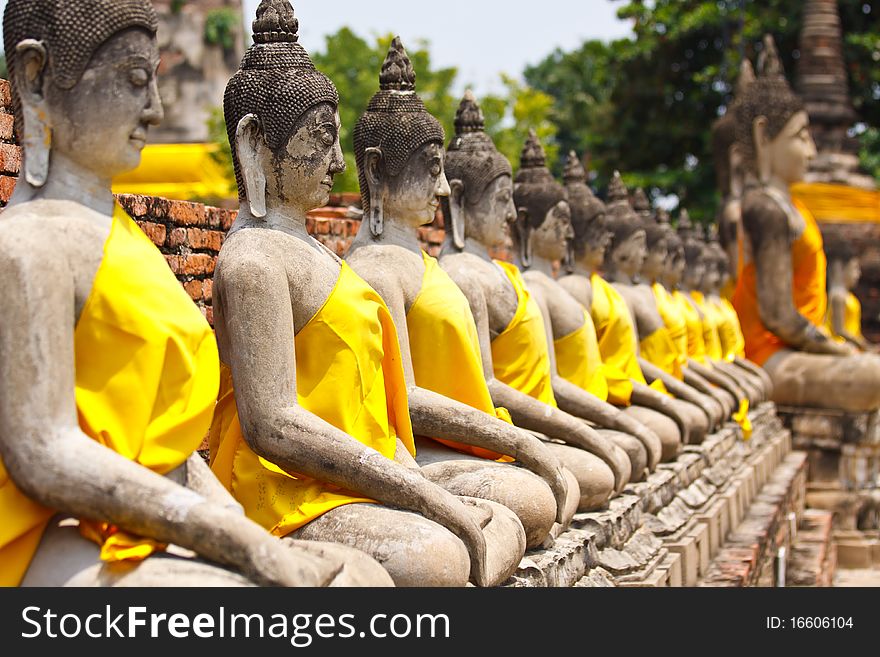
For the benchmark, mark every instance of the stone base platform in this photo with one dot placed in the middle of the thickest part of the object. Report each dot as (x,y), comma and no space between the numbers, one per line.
(669,529)
(814,553)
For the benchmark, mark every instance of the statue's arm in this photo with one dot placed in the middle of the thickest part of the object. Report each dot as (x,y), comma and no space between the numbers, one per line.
(679,389)
(580,288)
(768,229)
(837,302)
(643,395)
(57,465)
(259,328)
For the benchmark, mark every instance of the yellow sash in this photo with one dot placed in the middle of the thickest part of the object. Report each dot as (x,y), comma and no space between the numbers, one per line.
(673,318)
(696,342)
(659,349)
(349,373)
(146,381)
(578,359)
(617,342)
(520,353)
(445,349)
(852,317)
(710,327)
(733,343)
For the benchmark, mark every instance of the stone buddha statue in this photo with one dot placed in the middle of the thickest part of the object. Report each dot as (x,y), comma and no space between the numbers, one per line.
(843,319)
(616,330)
(109,372)
(729,176)
(510,327)
(399,149)
(781,297)
(312,431)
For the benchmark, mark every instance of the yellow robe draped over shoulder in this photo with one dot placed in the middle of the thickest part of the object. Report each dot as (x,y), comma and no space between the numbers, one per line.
(852,317)
(520,354)
(673,318)
(710,321)
(578,360)
(146,381)
(732,341)
(348,373)
(445,349)
(617,342)
(694,325)
(660,350)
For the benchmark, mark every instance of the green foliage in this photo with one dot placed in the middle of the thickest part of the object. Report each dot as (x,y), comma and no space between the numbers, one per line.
(221,27)
(869,153)
(645,105)
(177,5)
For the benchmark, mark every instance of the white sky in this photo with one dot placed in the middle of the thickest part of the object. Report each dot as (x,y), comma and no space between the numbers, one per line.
(482,38)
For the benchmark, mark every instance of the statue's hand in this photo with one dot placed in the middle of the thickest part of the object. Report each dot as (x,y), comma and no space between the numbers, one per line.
(535,456)
(274,562)
(465,524)
(712,409)
(652,443)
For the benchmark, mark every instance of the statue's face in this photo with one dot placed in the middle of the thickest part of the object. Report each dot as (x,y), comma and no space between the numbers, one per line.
(101,124)
(629,256)
(414,194)
(596,241)
(675,266)
(550,239)
(852,272)
(487,220)
(303,171)
(711,277)
(655,261)
(789,153)
(693,274)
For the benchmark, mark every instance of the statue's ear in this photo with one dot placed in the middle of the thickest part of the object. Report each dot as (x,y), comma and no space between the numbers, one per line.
(761,142)
(251,148)
(456,212)
(735,162)
(524,237)
(374,164)
(30,67)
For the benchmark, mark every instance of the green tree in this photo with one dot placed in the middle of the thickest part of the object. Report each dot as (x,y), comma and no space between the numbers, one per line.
(645,105)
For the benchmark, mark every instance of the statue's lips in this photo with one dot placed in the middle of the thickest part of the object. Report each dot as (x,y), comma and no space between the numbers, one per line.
(328,181)
(138,138)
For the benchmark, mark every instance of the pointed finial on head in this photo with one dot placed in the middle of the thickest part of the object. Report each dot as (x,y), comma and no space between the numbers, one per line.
(640,202)
(397,69)
(275,23)
(469,116)
(574,169)
(661,216)
(532,155)
(769,62)
(685,227)
(616,189)
(746,77)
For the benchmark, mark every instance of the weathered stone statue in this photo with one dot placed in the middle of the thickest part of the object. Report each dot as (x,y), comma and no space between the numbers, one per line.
(109,372)
(615,330)
(582,390)
(844,316)
(514,343)
(317,429)
(780,296)
(399,149)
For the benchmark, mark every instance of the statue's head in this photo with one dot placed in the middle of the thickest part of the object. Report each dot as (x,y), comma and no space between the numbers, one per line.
(772,126)
(641,205)
(588,220)
(480,203)
(84,87)
(282,119)
(399,149)
(695,257)
(673,268)
(727,157)
(543,222)
(716,264)
(628,248)
(657,235)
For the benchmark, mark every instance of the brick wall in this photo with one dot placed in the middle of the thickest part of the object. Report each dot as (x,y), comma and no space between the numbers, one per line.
(190,235)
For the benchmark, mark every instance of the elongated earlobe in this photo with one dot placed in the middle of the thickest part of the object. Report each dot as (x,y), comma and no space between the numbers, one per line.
(248,139)
(37,137)
(456,213)
(372,167)
(524,235)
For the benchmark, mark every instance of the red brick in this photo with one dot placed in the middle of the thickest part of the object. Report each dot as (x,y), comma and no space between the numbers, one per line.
(7,185)
(10,158)
(322,226)
(5,95)
(156,232)
(337,226)
(197,264)
(199,238)
(175,262)
(188,214)
(6,126)
(208,311)
(193,289)
(177,238)
(352,226)
(207,289)
(135,204)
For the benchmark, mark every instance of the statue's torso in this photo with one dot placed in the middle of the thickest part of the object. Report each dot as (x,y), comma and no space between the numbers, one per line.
(566,314)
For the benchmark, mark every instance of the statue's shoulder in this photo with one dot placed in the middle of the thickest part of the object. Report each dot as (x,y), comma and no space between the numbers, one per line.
(763,215)
(56,226)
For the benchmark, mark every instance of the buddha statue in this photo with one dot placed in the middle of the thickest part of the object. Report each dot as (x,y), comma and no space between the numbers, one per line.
(460,433)
(109,372)
(729,176)
(616,332)
(780,296)
(312,431)
(843,319)
(510,327)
